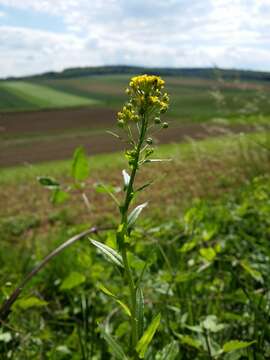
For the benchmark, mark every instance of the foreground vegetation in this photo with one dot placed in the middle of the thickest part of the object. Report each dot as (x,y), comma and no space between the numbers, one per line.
(209,265)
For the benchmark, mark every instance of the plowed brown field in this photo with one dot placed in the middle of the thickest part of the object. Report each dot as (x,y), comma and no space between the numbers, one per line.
(54,146)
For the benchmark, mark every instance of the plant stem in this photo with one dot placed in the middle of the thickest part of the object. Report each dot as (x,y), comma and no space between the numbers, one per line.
(125,232)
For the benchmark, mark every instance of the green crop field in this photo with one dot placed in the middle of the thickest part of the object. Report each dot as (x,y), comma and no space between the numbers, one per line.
(20,95)
(214,99)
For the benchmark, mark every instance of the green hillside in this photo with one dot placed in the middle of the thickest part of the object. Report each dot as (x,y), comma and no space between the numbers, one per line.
(19,95)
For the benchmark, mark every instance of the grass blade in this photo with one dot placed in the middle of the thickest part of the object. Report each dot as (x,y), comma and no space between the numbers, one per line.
(139,311)
(147,337)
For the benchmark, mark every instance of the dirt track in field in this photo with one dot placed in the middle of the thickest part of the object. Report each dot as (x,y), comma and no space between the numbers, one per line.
(56,148)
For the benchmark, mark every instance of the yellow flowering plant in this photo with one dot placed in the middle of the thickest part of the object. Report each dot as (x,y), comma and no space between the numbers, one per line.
(147,101)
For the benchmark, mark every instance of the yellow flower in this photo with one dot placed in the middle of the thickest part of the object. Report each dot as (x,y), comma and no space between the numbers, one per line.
(145,93)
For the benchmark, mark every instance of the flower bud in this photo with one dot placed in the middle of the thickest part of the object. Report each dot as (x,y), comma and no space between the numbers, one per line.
(164,125)
(149,141)
(121,123)
(157,120)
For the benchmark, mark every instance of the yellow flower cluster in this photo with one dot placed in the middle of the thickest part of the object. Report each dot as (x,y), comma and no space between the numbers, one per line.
(145,92)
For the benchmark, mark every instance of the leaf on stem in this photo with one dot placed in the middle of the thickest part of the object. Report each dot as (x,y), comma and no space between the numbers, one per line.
(110,253)
(126,178)
(48,182)
(133,216)
(80,165)
(147,337)
(109,293)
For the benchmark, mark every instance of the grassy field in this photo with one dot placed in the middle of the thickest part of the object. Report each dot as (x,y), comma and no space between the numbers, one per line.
(21,96)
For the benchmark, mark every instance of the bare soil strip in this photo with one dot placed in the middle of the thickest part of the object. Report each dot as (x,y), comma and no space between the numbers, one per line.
(59,149)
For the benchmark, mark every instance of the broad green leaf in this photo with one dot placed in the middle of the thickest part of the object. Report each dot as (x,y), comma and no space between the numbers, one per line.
(133,216)
(59,197)
(208,253)
(72,280)
(115,347)
(30,302)
(254,273)
(234,345)
(147,337)
(80,165)
(211,324)
(110,253)
(126,178)
(139,311)
(5,337)
(169,352)
(48,182)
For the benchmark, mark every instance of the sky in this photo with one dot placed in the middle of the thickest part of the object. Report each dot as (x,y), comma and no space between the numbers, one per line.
(44,35)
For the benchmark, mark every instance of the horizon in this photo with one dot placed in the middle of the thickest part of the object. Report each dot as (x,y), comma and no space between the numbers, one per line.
(38,37)
(132,66)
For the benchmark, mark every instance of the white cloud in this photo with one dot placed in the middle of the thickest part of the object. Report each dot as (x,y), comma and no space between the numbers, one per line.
(228,33)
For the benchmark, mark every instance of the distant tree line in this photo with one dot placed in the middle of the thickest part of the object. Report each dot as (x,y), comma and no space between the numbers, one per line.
(204,73)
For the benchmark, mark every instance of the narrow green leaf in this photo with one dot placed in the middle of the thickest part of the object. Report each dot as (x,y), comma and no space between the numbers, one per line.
(124,307)
(147,337)
(139,311)
(144,186)
(254,273)
(109,293)
(72,280)
(169,352)
(234,345)
(106,291)
(115,347)
(133,216)
(48,182)
(80,165)
(110,253)
(126,178)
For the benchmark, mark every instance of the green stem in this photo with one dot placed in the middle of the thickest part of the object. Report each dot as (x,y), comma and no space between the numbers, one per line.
(124,232)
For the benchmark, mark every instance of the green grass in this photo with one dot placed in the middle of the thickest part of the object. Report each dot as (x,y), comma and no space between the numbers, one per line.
(36,96)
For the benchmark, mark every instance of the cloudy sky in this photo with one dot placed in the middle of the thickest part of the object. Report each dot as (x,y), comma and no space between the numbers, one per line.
(43,35)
